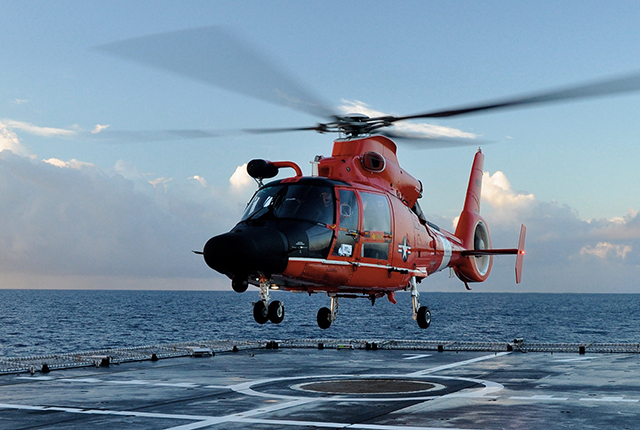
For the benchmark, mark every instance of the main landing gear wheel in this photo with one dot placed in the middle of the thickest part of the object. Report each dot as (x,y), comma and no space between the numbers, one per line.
(260,313)
(324,318)
(424,317)
(276,312)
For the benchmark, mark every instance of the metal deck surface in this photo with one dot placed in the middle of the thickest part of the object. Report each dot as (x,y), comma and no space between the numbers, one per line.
(334,387)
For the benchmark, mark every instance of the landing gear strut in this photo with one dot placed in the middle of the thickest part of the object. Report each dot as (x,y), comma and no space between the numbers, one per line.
(264,311)
(421,314)
(326,316)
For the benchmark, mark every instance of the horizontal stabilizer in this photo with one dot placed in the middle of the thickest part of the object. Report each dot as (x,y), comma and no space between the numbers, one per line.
(519,251)
(488,252)
(520,257)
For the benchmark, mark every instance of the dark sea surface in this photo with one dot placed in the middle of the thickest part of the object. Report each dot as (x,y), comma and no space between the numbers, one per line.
(37,322)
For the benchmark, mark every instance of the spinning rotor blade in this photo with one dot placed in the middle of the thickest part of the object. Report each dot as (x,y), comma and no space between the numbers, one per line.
(624,84)
(319,128)
(430,142)
(154,136)
(215,56)
(183,134)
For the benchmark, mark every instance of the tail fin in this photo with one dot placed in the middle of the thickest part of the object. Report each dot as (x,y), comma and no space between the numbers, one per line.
(474,189)
(470,215)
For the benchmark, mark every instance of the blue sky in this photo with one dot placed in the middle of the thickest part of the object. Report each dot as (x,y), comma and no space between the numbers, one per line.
(126,214)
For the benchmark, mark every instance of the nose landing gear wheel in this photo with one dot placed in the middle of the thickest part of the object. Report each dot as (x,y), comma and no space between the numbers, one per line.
(324,318)
(424,317)
(260,313)
(276,312)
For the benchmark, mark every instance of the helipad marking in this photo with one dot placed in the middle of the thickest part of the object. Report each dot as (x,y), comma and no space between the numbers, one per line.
(610,399)
(177,384)
(416,356)
(539,397)
(36,378)
(489,388)
(130,382)
(244,417)
(569,360)
(248,417)
(103,412)
(88,380)
(122,382)
(246,388)
(457,364)
(434,387)
(198,425)
(339,425)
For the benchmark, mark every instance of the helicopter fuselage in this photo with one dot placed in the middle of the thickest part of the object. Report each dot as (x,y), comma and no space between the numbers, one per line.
(353,228)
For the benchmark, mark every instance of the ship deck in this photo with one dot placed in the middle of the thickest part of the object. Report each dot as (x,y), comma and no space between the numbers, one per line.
(383,385)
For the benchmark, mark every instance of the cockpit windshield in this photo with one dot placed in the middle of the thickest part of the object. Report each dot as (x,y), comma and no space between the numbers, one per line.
(293,201)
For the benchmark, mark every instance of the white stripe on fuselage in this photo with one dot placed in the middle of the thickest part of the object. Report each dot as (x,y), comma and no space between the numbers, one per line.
(414,272)
(446,246)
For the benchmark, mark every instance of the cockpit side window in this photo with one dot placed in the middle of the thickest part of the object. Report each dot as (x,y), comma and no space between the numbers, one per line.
(348,225)
(308,202)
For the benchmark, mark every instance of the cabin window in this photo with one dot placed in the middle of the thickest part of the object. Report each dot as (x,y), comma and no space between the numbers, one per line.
(376,226)
(376,213)
(348,224)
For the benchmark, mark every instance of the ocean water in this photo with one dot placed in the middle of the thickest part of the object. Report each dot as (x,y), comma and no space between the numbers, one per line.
(36,322)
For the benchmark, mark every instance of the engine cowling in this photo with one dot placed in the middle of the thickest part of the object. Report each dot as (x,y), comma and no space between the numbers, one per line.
(476,268)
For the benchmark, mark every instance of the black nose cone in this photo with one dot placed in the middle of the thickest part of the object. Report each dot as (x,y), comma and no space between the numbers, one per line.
(247,251)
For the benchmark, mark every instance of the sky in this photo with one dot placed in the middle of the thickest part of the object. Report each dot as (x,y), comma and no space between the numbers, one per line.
(82,212)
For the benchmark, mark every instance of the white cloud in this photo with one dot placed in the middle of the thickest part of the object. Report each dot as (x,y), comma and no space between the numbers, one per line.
(619,228)
(128,171)
(564,253)
(71,220)
(10,141)
(605,249)
(35,129)
(160,181)
(412,129)
(73,164)
(202,181)
(98,128)
(240,178)
(497,191)
(10,125)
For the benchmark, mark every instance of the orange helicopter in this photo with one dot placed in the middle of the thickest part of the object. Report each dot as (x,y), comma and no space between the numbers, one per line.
(354,228)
